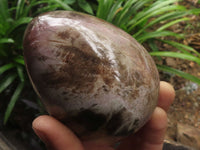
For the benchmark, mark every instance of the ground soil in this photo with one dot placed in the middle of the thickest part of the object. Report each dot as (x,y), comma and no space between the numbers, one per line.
(186,107)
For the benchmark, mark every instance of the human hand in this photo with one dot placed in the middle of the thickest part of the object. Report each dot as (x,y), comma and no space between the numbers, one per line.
(57,136)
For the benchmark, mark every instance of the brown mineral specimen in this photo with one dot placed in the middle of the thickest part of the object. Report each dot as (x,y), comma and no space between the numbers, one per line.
(90,75)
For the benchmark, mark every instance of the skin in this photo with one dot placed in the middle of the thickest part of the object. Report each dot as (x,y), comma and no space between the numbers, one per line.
(57,136)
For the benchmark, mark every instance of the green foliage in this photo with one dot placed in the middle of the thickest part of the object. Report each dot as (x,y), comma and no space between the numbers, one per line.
(14,17)
(179,72)
(85,6)
(13,100)
(137,17)
(12,25)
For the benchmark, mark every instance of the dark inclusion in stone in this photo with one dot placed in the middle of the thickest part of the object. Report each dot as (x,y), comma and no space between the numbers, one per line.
(93,121)
(116,121)
(90,120)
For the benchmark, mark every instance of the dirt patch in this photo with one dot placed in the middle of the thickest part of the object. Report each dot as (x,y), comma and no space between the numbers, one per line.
(186,107)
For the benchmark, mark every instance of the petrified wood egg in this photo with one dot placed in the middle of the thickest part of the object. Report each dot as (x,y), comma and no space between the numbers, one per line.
(90,75)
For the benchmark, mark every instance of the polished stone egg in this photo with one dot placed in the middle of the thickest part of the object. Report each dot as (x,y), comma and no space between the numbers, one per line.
(92,76)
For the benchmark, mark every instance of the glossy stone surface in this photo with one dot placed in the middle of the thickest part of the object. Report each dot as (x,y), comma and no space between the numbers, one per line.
(90,75)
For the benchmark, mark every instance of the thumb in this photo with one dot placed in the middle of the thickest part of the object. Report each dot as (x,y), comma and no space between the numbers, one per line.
(55,135)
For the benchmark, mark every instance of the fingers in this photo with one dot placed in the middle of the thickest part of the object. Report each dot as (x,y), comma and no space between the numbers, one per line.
(55,135)
(151,136)
(166,95)
(154,131)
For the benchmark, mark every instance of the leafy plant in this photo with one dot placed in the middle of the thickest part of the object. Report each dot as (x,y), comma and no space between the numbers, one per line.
(14,17)
(12,63)
(78,5)
(138,17)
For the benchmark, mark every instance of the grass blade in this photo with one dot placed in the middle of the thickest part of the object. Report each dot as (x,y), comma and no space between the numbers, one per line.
(4,11)
(151,35)
(153,45)
(13,100)
(2,28)
(70,2)
(6,67)
(7,81)
(125,13)
(61,4)
(6,40)
(114,10)
(165,17)
(20,73)
(143,15)
(177,55)
(104,7)
(172,23)
(21,21)
(19,60)
(85,6)
(51,7)
(179,73)
(195,11)
(183,48)
(132,11)
(19,8)
(100,8)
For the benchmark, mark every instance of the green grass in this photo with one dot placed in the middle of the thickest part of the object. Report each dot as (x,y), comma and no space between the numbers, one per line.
(14,17)
(137,17)
(12,24)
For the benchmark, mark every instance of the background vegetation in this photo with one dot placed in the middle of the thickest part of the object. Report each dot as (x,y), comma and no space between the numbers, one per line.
(146,20)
